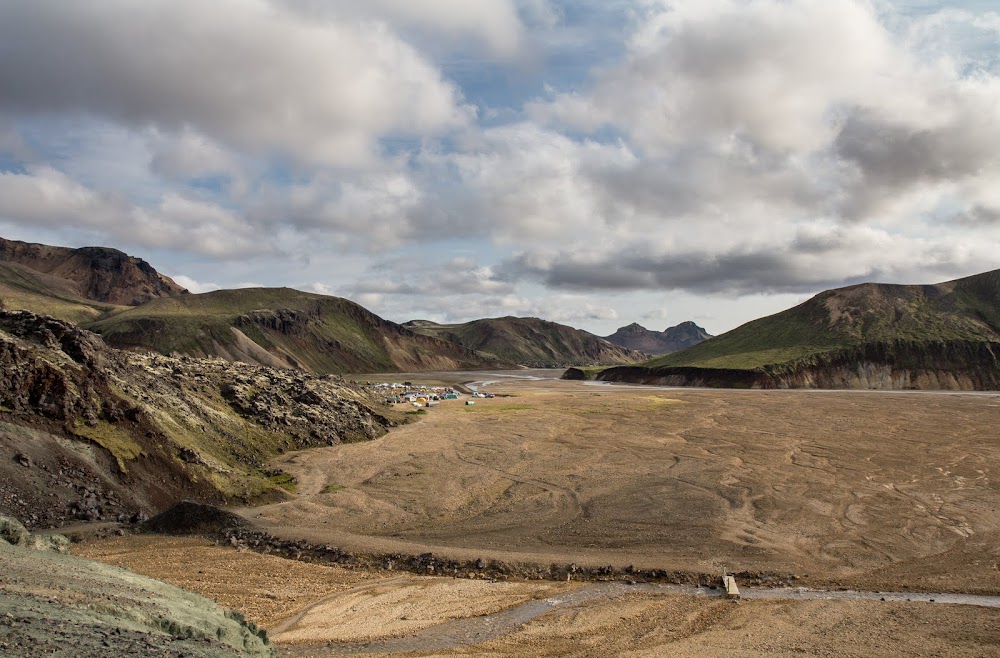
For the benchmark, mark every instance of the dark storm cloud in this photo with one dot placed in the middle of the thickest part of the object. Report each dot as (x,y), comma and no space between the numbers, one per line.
(892,157)
(730,273)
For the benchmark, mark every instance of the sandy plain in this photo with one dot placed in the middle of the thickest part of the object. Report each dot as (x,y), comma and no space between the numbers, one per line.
(858,489)
(873,491)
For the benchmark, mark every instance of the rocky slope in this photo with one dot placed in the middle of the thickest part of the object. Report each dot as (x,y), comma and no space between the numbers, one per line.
(57,604)
(529,341)
(89,432)
(942,336)
(672,339)
(99,274)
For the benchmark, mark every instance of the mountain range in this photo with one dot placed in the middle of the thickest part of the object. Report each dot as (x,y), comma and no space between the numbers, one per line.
(528,341)
(135,307)
(873,335)
(672,339)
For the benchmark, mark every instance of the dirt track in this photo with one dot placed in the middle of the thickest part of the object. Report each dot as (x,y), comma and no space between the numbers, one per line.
(867,490)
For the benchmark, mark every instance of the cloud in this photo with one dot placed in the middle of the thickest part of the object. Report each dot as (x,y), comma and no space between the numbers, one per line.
(190,155)
(777,92)
(813,258)
(45,197)
(11,142)
(193,286)
(762,70)
(457,289)
(247,73)
(758,132)
(493,24)
(562,308)
(887,159)
(520,182)
(411,276)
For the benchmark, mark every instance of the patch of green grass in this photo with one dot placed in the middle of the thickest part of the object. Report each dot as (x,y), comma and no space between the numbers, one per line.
(115,440)
(416,412)
(284,480)
(586,411)
(656,401)
(502,407)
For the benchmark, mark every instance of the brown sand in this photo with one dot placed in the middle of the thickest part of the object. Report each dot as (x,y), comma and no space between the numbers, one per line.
(872,490)
(267,589)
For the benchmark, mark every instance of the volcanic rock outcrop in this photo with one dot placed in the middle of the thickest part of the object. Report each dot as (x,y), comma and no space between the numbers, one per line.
(89,432)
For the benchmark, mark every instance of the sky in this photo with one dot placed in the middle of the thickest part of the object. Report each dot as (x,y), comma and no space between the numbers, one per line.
(594,163)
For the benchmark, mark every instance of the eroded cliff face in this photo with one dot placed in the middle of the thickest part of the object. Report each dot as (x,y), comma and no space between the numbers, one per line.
(892,365)
(89,432)
(290,322)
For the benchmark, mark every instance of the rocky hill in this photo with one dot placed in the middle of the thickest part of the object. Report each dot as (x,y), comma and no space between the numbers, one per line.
(98,274)
(942,336)
(88,432)
(285,328)
(672,339)
(529,341)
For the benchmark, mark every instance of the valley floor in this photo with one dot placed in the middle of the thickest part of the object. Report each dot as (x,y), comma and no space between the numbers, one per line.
(832,490)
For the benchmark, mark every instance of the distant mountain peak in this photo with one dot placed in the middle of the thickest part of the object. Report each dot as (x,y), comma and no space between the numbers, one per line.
(636,337)
(634,328)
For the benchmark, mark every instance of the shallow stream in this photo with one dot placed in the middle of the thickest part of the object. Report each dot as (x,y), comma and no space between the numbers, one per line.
(475,630)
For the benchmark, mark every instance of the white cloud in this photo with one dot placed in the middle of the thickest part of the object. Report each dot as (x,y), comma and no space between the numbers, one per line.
(768,71)
(460,275)
(521,183)
(566,309)
(246,73)
(193,286)
(46,197)
(190,155)
(777,145)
